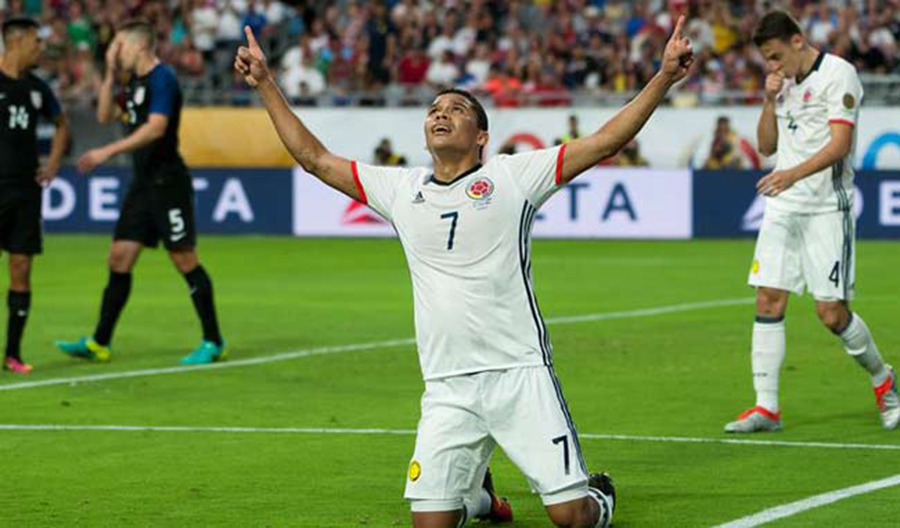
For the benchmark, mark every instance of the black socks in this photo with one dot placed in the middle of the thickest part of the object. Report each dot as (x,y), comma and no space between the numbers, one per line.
(114,298)
(18,304)
(202,295)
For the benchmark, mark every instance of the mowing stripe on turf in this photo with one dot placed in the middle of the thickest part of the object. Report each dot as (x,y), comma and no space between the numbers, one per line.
(793,508)
(411,432)
(320,351)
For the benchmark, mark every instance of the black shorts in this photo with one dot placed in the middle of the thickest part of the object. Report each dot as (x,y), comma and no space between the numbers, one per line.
(159,211)
(21,227)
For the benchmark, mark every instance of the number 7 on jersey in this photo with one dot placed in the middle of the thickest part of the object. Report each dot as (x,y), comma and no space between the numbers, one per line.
(454,216)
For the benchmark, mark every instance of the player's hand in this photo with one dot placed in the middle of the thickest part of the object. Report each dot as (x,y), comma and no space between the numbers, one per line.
(112,54)
(91,159)
(776,183)
(250,61)
(46,174)
(678,55)
(774,83)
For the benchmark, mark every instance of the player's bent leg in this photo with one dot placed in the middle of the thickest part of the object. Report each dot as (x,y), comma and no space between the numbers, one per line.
(767,356)
(835,315)
(860,345)
(438,514)
(123,255)
(18,303)
(212,347)
(583,506)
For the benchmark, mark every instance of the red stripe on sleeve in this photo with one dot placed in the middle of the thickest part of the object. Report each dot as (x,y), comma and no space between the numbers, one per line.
(842,121)
(359,186)
(559,163)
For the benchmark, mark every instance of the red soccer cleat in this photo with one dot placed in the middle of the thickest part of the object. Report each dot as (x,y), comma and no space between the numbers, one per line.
(15,365)
(501,511)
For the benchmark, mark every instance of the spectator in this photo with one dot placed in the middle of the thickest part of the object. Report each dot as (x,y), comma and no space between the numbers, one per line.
(385,155)
(255,18)
(413,67)
(572,131)
(630,156)
(204,22)
(304,81)
(443,72)
(79,27)
(724,151)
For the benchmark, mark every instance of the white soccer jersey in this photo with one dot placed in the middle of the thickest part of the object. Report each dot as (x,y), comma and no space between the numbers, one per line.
(831,92)
(468,246)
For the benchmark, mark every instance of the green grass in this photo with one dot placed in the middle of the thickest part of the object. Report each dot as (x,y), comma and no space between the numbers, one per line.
(679,374)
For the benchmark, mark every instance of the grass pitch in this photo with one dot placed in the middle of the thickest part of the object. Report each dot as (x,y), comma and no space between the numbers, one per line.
(678,374)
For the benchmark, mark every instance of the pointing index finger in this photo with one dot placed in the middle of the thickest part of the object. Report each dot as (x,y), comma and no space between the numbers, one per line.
(251,40)
(676,33)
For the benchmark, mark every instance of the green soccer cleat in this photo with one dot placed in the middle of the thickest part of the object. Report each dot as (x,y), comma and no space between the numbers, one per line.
(207,352)
(85,348)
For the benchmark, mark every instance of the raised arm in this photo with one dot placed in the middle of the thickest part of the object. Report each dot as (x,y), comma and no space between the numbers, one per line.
(306,148)
(587,151)
(767,129)
(106,108)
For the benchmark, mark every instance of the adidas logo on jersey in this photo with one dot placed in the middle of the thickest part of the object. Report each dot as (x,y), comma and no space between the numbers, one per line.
(419,198)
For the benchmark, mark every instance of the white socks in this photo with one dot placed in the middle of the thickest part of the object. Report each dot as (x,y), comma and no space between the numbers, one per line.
(858,343)
(478,504)
(606,507)
(767,356)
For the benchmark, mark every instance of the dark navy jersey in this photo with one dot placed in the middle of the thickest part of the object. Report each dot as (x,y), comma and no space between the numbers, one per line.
(155,93)
(23,102)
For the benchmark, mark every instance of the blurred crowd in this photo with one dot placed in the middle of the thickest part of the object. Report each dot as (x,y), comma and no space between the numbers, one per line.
(517,52)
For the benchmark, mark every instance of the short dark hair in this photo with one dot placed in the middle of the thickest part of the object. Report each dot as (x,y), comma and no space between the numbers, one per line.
(480,114)
(140,27)
(776,25)
(17,24)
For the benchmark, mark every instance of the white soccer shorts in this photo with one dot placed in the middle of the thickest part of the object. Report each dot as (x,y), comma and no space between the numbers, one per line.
(815,252)
(464,417)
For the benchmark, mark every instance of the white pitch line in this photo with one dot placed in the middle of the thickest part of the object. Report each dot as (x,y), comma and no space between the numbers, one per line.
(739,441)
(393,343)
(411,432)
(787,510)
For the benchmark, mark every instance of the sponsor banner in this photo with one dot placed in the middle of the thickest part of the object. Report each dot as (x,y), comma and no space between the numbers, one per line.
(226,200)
(674,138)
(726,204)
(602,203)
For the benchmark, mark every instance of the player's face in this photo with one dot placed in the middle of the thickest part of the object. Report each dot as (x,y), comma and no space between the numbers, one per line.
(132,46)
(452,123)
(32,46)
(783,55)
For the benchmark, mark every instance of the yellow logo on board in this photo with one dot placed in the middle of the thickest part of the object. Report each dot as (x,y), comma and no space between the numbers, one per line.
(415,471)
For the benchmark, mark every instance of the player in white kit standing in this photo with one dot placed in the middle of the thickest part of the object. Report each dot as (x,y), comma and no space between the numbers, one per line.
(483,346)
(807,236)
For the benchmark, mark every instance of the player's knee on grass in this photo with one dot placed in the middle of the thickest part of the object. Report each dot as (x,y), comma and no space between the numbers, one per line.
(771,302)
(19,272)
(581,513)
(834,315)
(425,515)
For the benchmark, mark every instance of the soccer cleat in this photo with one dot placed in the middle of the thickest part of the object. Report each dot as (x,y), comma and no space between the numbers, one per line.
(601,487)
(757,419)
(207,352)
(16,365)
(888,401)
(501,511)
(85,348)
